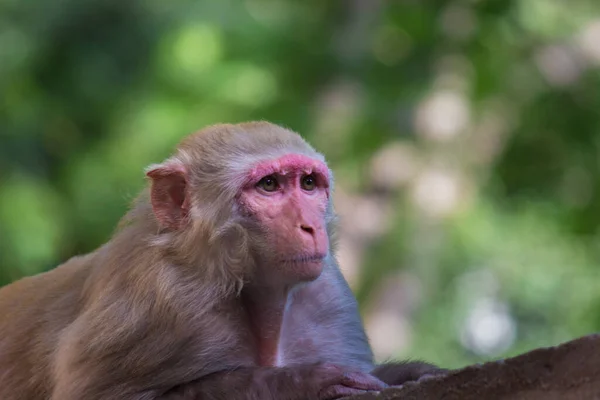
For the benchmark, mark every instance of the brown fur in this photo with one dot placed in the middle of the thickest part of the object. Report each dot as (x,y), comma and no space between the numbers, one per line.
(158,312)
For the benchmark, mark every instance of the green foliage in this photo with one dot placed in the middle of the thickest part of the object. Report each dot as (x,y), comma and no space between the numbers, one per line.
(494,101)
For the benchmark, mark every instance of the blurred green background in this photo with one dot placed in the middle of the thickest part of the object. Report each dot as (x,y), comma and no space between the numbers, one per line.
(465,136)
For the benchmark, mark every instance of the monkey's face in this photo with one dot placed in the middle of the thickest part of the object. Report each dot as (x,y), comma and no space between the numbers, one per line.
(287,198)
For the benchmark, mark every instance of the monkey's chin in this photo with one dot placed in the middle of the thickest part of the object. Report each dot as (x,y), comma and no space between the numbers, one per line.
(305,269)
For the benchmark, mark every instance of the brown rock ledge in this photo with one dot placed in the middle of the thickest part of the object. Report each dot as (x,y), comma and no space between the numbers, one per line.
(570,371)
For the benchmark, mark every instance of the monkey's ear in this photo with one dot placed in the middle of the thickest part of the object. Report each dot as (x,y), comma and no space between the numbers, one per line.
(168,194)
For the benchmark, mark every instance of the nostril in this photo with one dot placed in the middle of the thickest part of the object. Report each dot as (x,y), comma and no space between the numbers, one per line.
(307,229)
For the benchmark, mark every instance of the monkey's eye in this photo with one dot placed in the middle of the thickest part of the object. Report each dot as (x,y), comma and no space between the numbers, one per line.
(268,184)
(308,182)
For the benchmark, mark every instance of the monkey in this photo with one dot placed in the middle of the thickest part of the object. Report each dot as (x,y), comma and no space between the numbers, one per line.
(220,282)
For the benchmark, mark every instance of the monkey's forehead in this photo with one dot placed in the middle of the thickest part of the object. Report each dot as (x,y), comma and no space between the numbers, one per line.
(286,164)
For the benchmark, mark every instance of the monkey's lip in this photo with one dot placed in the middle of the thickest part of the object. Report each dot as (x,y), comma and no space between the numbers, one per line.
(304,259)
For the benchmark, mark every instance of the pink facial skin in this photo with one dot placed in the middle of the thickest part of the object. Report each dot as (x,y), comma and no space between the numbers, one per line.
(293,217)
(290,164)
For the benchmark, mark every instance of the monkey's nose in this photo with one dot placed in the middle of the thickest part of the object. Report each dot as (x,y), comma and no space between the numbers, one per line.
(308,229)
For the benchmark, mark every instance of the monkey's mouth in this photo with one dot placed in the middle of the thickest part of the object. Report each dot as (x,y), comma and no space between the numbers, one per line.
(304,259)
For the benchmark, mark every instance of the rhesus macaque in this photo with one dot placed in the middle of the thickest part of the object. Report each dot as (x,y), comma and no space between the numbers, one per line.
(220,283)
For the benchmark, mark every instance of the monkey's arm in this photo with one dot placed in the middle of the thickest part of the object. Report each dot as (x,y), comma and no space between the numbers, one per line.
(327,309)
(327,312)
(115,352)
(302,382)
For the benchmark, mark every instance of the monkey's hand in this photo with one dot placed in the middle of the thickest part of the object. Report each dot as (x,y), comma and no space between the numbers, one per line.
(303,382)
(335,382)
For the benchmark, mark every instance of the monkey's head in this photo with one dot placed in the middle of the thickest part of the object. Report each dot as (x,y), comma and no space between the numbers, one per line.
(256,193)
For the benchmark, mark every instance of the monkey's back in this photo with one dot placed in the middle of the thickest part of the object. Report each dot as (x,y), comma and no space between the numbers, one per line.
(33,312)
